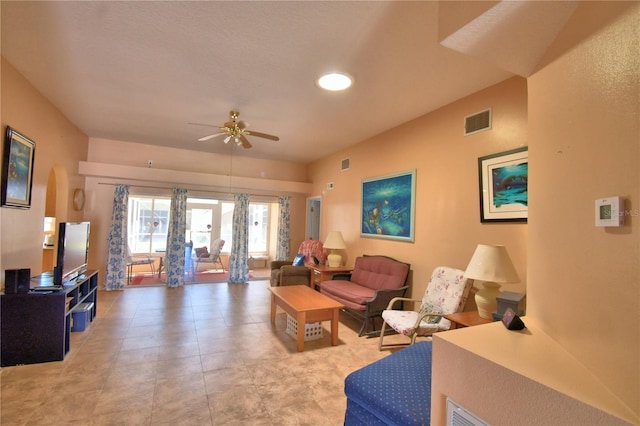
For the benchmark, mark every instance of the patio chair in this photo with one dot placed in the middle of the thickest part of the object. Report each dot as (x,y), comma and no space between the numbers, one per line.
(202,255)
(138,259)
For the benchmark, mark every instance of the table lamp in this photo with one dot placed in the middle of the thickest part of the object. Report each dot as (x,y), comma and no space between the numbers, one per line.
(492,265)
(334,242)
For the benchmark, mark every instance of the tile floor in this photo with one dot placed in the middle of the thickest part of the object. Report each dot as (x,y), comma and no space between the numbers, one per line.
(203,354)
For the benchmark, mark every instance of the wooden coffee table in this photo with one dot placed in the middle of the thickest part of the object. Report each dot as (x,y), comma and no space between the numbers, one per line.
(306,306)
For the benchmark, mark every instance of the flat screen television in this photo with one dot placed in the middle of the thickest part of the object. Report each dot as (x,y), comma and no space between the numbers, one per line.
(73,251)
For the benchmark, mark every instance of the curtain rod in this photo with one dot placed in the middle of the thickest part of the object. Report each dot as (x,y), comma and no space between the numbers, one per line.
(199,190)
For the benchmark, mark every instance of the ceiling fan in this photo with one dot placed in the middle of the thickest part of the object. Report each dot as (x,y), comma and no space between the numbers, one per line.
(236,131)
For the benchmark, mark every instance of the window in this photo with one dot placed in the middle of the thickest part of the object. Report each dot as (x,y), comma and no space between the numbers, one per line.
(207,219)
(148,224)
(258,226)
(226,223)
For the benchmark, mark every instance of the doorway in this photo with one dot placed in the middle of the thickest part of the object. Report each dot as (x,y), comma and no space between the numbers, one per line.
(314,206)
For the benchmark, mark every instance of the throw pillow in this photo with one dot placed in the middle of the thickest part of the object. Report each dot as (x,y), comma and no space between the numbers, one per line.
(202,252)
(298,260)
(430,319)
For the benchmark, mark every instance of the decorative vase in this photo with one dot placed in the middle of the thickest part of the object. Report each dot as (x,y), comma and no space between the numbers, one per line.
(486,299)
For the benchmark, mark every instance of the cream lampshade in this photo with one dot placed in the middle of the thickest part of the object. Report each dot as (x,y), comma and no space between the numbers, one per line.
(492,265)
(334,242)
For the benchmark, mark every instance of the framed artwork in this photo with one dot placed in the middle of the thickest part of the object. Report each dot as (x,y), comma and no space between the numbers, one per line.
(388,206)
(17,169)
(504,195)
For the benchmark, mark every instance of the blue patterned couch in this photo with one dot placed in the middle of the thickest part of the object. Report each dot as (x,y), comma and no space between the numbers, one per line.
(395,390)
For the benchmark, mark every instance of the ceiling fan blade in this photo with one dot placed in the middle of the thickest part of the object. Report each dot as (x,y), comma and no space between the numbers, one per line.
(245,142)
(242,125)
(261,135)
(202,124)
(206,138)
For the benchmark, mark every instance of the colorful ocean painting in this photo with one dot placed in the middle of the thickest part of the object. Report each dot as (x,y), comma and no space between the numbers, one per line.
(510,184)
(18,173)
(17,170)
(504,186)
(387,206)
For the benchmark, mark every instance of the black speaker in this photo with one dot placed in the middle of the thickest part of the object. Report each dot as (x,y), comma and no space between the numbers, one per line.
(57,275)
(17,281)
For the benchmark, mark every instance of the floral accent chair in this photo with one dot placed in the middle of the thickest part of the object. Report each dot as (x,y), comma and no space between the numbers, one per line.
(285,272)
(446,293)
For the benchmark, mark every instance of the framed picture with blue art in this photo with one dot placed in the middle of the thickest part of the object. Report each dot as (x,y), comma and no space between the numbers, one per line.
(17,170)
(504,192)
(388,206)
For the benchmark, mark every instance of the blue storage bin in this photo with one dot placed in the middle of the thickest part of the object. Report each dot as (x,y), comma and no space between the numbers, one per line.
(81,316)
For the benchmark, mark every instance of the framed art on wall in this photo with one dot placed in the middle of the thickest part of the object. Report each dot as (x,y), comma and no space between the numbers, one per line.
(388,206)
(504,194)
(17,169)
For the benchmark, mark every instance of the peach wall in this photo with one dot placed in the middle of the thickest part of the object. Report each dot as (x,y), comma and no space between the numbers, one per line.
(165,158)
(488,371)
(58,144)
(447,226)
(586,140)
(583,281)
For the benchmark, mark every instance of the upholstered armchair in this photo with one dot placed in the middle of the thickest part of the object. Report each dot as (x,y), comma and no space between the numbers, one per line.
(283,272)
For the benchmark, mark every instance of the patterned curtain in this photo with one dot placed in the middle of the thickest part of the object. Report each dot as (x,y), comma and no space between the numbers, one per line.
(239,258)
(174,260)
(282,250)
(116,274)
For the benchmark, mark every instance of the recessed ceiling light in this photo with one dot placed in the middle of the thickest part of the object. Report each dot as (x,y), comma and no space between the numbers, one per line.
(335,81)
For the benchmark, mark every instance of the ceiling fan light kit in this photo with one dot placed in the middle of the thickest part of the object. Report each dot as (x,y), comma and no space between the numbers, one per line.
(335,81)
(237,132)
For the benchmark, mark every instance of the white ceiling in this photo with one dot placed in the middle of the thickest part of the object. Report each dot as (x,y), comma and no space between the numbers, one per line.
(141,71)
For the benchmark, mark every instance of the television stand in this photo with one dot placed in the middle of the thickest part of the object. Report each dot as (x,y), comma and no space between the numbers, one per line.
(36,326)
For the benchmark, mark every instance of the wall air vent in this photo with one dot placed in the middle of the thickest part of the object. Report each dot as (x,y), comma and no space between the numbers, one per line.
(458,416)
(344,165)
(477,122)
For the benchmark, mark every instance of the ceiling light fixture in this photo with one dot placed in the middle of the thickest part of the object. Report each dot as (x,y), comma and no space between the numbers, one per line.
(335,81)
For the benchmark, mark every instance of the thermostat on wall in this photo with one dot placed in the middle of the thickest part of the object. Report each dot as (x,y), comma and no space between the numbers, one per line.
(608,211)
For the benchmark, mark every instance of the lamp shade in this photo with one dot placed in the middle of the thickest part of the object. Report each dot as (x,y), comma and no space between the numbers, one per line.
(335,241)
(492,263)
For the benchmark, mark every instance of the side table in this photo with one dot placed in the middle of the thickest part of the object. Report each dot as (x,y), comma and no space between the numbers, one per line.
(321,273)
(466,319)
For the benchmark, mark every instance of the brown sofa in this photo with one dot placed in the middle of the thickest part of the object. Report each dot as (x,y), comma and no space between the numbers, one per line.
(367,290)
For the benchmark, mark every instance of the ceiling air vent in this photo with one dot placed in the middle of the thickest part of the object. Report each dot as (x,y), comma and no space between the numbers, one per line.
(477,122)
(344,165)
